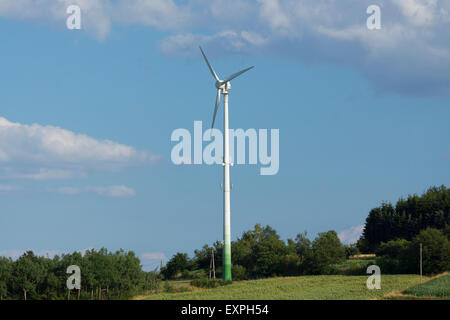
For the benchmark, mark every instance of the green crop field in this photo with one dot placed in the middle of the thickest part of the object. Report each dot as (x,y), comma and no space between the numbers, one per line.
(438,287)
(304,287)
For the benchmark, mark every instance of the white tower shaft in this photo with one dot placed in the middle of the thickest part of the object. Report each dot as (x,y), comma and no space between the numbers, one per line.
(226,191)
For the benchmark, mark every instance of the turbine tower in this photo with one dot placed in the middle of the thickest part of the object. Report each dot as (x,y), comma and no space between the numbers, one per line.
(223,87)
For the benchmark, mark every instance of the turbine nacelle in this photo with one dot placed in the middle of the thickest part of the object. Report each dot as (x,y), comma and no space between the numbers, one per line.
(222,85)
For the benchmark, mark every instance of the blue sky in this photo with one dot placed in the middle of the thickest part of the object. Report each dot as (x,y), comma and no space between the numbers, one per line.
(86,118)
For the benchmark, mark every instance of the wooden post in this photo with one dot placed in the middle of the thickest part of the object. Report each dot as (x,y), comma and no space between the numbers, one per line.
(210,264)
(213,264)
(420,263)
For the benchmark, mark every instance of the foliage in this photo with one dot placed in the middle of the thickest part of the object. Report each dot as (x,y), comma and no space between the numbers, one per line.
(260,253)
(402,256)
(104,275)
(168,287)
(351,250)
(407,218)
(238,272)
(326,250)
(302,244)
(435,251)
(176,265)
(394,256)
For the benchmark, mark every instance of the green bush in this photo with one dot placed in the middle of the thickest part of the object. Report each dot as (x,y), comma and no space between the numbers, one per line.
(435,252)
(168,287)
(238,272)
(395,249)
(325,251)
(289,265)
(389,265)
(351,250)
(394,257)
(447,231)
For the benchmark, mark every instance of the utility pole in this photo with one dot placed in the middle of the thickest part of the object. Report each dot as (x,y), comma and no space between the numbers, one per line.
(210,264)
(421,263)
(214,264)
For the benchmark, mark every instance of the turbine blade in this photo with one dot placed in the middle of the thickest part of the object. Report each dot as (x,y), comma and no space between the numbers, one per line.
(237,74)
(217,107)
(209,65)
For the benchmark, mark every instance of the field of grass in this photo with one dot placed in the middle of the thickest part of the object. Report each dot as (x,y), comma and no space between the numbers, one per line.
(438,287)
(305,287)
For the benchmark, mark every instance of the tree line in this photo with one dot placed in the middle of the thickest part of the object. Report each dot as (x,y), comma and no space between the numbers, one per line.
(260,253)
(393,233)
(104,275)
(407,218)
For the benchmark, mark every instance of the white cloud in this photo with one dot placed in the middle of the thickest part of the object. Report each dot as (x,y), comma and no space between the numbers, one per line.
(410,54)
(272,12)
(108,191)
(163,14)
(418,12)
(47,152)
(351,235)
(97,16)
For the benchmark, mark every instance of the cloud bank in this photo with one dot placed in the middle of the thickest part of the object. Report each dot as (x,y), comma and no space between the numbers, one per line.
(409,55)
(46,152)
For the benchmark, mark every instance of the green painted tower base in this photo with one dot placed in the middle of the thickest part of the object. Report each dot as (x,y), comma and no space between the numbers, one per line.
(227,263)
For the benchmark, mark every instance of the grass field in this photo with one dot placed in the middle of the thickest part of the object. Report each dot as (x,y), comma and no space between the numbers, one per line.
(305,287)
(438,287)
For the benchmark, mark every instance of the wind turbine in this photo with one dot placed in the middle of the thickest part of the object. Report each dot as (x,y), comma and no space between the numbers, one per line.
(223,86)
